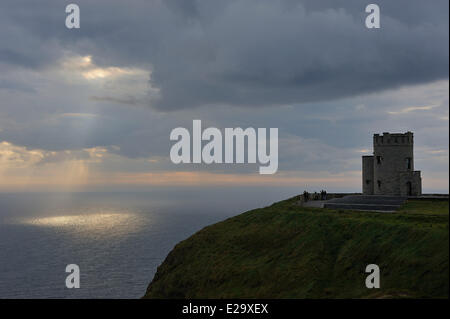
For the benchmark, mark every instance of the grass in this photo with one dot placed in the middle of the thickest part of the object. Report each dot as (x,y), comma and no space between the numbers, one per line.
(287,251)
(428,207)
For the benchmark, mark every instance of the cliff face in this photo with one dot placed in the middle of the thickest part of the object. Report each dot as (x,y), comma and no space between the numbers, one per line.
(286,251)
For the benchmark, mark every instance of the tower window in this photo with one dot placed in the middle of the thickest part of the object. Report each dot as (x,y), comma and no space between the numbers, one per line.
(379,183)
(367,181)
(408,163)
(379,159)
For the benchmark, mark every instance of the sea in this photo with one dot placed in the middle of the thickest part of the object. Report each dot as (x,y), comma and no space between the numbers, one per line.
(117,239)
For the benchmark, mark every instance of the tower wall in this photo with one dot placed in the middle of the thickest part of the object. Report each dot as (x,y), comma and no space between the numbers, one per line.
(367,175)
(410,184)
(393,155)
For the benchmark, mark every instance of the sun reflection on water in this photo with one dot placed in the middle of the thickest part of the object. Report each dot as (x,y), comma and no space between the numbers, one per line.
(114,224)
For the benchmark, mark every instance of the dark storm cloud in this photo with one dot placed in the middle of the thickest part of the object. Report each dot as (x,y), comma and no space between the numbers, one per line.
(241,52)
(271,53)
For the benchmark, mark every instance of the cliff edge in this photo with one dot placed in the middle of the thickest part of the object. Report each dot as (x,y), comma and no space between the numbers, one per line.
(287,251)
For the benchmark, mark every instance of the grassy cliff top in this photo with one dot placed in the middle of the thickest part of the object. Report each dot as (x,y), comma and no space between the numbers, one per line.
(287,251)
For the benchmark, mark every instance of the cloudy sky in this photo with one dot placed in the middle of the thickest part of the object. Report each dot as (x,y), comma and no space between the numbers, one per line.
(92,108)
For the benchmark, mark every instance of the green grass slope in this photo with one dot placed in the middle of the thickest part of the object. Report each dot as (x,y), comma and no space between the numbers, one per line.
(286,251)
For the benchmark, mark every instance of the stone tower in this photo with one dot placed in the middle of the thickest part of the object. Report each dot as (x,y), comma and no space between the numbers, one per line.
(390,171)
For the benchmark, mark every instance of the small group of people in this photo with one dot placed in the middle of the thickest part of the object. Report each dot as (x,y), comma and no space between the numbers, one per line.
(315,196)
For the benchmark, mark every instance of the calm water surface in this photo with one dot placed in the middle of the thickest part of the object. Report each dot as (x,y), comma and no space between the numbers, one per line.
(117,239)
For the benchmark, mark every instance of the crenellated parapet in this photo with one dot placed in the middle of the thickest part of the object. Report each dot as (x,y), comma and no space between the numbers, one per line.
(389,139)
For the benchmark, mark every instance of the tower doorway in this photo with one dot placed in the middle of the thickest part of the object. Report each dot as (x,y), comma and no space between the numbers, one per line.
(409,188)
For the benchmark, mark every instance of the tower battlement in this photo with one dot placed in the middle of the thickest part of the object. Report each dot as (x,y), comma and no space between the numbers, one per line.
(393,139)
